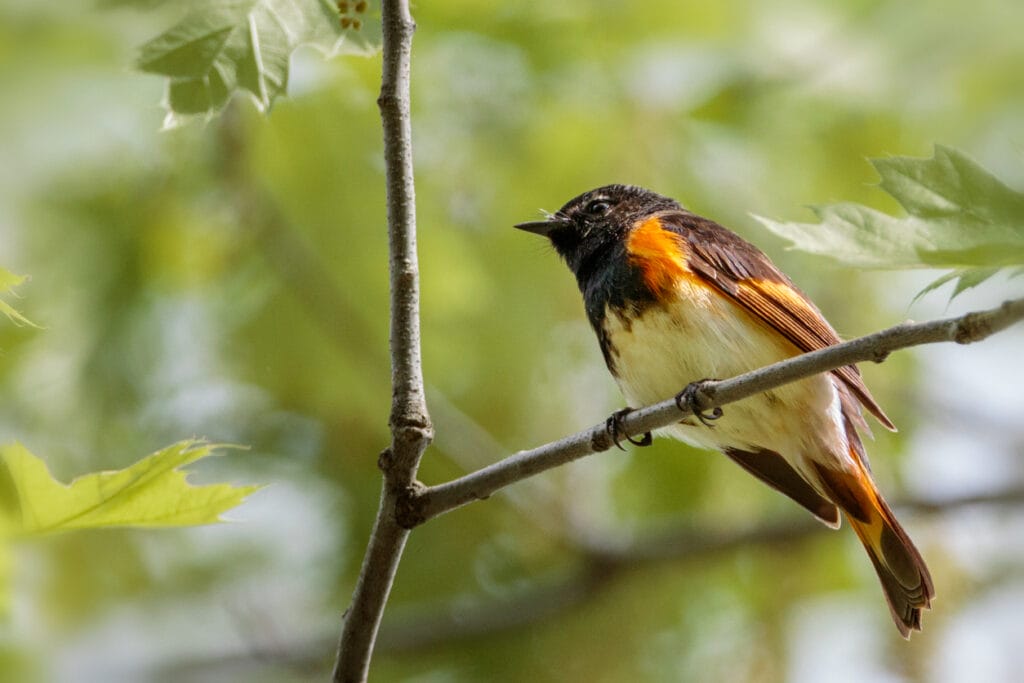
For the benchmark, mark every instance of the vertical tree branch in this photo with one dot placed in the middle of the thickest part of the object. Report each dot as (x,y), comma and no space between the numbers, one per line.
(411,430)
(362,619)
(410,423)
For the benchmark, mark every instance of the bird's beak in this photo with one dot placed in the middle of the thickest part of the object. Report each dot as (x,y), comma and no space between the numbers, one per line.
(544,228)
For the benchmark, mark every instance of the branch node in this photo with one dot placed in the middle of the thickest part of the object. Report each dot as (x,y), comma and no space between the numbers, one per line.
(972,327)
(880,356)
(410,433)
(600,440)
(409,505)
(385,460)
(412,429)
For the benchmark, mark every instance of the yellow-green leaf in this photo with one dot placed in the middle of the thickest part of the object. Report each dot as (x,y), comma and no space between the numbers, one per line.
(153,492)
(8,281)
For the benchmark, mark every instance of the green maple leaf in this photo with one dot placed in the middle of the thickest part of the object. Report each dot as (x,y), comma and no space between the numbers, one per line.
(153,492)
(959,216)
(224,46)
(8,281)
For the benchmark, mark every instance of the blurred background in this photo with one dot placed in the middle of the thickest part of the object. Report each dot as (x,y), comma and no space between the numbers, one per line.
(228,280)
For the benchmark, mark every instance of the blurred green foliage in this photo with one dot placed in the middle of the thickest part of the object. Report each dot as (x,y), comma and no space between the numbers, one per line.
(229,280)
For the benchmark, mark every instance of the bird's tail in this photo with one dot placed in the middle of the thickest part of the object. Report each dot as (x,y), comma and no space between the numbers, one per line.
(903,574)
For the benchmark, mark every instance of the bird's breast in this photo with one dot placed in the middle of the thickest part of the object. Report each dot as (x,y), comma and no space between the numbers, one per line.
(654,351)
(698,332)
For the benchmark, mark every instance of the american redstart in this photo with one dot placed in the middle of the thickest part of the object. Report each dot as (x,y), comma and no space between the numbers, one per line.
(674,297)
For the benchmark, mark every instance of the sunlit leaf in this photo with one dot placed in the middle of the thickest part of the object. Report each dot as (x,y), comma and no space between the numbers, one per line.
(969,279)
(959,216)
(965,279)
(224,46)
(153,492)
(8,281)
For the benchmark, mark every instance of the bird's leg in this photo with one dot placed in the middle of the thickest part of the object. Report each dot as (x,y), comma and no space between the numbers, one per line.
(613,425)
(687,400)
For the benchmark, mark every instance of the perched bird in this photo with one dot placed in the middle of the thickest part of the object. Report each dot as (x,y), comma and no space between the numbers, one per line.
(673,298)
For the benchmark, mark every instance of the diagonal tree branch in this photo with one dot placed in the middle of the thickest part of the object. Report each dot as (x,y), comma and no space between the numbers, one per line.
(411,430)
(427,503)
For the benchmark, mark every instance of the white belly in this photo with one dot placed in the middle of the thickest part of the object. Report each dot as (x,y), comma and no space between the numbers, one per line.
(659,353)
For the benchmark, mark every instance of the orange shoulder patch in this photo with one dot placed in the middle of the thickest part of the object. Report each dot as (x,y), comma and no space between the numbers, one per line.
(660,255)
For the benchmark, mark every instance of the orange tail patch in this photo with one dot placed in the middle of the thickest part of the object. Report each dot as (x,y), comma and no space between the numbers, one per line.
(903,573)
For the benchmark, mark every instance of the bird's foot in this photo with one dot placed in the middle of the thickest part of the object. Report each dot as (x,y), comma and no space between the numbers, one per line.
(687,400)
(613,425)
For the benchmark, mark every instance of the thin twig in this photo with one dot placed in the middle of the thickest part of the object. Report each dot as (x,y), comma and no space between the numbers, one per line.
(411,430)
(430,502)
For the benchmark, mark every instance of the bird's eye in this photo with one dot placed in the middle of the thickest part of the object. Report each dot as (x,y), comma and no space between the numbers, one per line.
(598,207)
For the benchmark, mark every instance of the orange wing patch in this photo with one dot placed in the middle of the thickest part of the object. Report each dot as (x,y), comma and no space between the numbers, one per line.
(790,313)
(787,311)
(660,255)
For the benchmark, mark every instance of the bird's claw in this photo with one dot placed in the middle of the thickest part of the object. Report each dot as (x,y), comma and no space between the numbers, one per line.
(687,400)
(613,425)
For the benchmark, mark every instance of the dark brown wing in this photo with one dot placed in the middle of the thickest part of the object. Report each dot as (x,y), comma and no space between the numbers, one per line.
(742,271)
(772,469)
